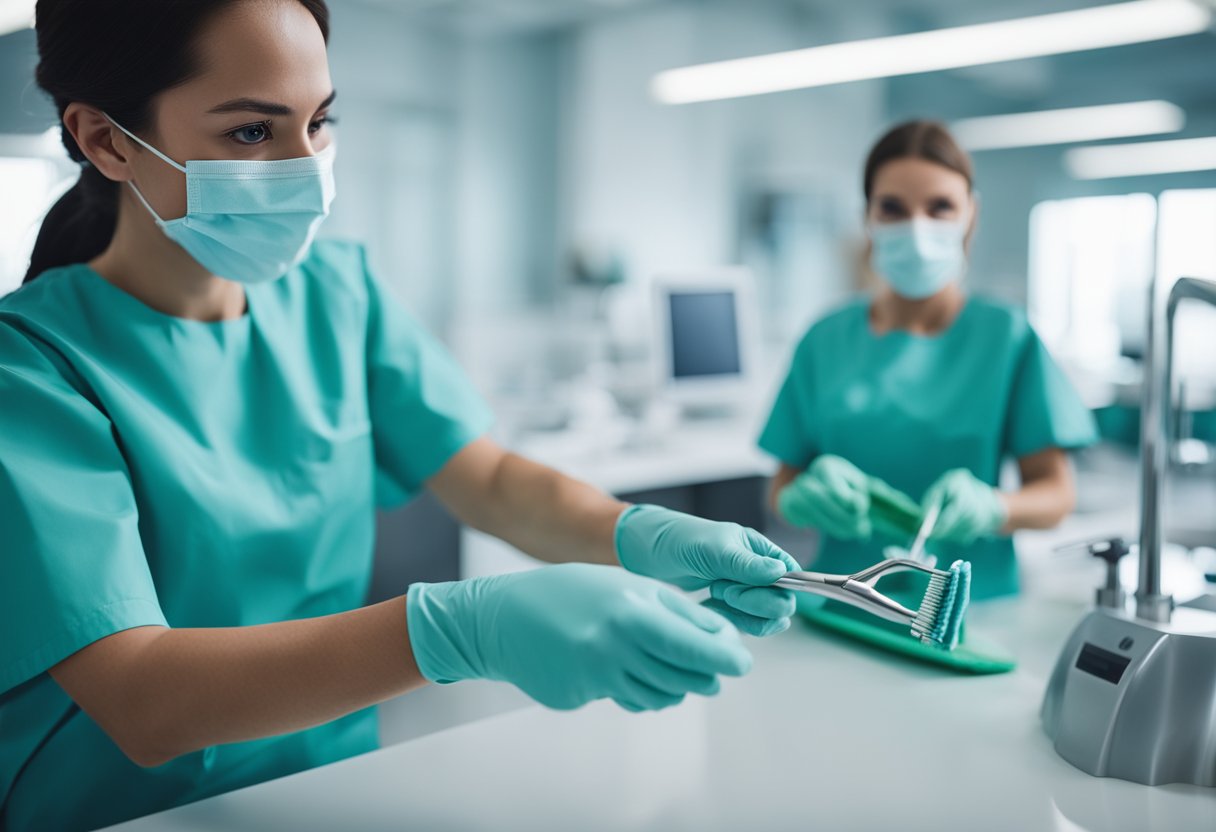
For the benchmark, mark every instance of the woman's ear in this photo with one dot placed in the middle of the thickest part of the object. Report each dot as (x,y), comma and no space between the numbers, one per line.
(973,223)
(103,144)
(865,218)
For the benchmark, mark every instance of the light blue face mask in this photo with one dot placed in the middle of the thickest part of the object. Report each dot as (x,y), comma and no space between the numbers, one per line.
(248,221)
(921,257)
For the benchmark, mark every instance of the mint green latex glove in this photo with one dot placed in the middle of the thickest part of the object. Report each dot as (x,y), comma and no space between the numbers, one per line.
(970,508)
(833,495)
(736,564)
(567,635)
(893,514)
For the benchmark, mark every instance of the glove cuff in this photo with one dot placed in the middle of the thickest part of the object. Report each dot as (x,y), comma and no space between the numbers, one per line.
(1000,512)
(635,536)
(442,630)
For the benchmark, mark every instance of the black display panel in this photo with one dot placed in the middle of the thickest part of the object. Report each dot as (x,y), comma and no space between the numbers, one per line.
(704,335)
(1102,663)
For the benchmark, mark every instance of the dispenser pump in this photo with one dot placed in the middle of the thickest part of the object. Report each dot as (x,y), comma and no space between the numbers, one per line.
(1112,595)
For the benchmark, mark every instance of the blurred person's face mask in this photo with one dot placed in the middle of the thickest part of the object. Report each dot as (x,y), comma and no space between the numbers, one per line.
(248,221)
(919,258)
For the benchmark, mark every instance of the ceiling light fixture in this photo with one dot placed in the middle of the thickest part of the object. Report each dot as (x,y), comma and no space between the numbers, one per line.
(1142,159)
(1075,124)
(1119,24)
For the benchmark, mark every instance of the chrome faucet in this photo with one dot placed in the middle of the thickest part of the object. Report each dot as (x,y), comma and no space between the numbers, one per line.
(1129,696)
(1156,416)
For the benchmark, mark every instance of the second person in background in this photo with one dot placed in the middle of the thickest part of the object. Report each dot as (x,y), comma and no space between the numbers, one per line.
(914,397)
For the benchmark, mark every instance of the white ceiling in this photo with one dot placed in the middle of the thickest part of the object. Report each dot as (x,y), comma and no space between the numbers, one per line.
(507,15)
(504,15)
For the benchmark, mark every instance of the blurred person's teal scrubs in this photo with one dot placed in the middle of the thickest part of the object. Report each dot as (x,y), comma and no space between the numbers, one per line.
(156,470)
(907,408)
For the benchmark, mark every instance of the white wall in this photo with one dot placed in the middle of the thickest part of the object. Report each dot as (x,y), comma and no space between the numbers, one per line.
(397,83)
(662,185)
(506,216)
(646,180)
(561,149)
(509,152)
(447,161)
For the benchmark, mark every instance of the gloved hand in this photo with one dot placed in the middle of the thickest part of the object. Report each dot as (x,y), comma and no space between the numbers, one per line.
(833,495)
(893,513)
(566,635)
(971,508)
(737,564)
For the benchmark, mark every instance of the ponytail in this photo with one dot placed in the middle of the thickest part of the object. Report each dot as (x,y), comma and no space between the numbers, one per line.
(79,226)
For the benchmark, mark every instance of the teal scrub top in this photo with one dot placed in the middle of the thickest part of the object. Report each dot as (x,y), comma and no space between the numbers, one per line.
(907,408)
(162,471)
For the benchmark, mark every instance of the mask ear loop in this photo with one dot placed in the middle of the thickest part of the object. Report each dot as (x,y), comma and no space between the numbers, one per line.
(156,153)
(145,145)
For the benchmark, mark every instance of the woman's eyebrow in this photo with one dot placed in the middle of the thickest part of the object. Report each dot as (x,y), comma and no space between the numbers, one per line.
(252,105)
(266,108)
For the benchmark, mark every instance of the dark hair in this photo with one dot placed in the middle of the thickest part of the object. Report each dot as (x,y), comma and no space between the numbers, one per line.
(116,55)
(920,139)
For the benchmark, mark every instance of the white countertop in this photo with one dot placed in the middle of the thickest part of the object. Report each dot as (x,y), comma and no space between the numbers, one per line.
(823,734)
(684,453)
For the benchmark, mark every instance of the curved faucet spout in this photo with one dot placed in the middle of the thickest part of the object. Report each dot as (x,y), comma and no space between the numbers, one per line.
(1156,417)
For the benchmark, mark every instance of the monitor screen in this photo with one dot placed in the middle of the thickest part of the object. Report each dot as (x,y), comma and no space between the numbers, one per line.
(704,334)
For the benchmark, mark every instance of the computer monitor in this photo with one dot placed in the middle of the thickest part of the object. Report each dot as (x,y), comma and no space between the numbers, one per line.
(705,337)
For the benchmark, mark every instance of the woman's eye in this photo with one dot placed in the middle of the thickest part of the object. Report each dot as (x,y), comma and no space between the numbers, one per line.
(891,208)
(316,126)
(942,208)
(251,133)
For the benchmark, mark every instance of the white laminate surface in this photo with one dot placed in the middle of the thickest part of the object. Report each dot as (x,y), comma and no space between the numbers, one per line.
(823,734)
(686,453)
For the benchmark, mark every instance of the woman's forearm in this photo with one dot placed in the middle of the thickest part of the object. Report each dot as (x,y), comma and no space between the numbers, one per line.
(531,506)
(160,693)
(785,475)
(1048,493)
(551,516)
(1037,505)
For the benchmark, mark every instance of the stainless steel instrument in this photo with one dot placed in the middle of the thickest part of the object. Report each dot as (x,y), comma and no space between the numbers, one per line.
(858,590)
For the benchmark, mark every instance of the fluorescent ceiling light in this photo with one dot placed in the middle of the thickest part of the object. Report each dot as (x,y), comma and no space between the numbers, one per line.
(986,43)
(1076,124)
(1142,159)
(16,15)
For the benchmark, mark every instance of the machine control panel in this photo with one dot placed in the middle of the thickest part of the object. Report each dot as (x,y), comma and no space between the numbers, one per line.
(1102,663)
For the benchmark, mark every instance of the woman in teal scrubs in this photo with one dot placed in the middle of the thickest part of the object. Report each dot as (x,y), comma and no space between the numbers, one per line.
(914,397)
(201,410)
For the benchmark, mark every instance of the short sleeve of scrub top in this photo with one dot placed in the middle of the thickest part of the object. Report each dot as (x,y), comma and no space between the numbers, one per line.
(423,407)
(73,568)
(1044,409)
